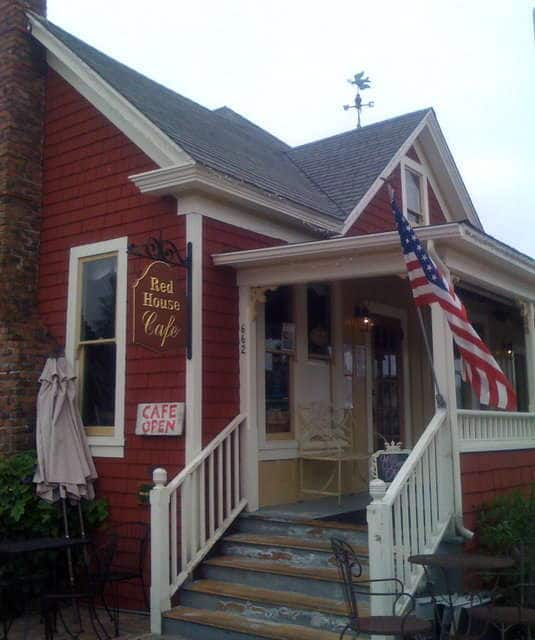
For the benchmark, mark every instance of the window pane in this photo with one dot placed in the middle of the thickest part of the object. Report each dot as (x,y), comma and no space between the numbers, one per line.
(99,278)
(319,320)
(278,310)
(98,392)
(277,393)
(414,202)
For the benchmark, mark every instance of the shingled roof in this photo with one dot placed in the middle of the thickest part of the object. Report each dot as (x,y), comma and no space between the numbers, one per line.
(346,165)
(329,176)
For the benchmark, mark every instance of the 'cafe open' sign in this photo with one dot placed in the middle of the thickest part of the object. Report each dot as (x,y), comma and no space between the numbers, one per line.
(159,309)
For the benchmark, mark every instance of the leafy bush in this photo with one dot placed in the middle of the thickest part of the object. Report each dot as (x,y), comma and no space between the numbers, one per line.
(24,515)
(507,521)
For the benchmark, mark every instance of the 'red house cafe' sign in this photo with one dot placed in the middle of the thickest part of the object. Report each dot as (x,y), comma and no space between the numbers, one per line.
(159,306)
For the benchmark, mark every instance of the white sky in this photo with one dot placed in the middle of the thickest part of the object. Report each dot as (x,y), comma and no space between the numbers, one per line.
(284,65)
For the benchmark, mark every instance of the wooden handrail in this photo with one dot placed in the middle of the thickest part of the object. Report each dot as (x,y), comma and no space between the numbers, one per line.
(188,470)
(415,455)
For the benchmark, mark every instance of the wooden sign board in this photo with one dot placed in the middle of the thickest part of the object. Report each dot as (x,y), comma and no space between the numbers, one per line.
(160,419)
(159,306)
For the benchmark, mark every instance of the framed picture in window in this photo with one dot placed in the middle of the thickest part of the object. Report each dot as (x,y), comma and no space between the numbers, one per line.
(319,320)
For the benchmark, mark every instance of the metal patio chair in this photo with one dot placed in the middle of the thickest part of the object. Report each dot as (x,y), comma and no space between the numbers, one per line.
(404,626)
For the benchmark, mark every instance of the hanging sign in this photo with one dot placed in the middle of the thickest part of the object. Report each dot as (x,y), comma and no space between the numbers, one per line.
(160,419)
(159,305)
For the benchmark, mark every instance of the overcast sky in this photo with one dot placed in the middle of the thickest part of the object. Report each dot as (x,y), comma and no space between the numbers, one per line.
(284,65)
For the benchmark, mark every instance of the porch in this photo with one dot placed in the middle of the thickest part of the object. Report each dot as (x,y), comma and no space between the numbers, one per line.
(254,462)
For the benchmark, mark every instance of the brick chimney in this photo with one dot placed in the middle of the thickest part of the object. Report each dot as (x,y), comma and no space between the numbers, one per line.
(22,339)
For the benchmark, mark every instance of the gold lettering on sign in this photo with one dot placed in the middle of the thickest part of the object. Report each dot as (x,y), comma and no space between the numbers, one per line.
(159,309)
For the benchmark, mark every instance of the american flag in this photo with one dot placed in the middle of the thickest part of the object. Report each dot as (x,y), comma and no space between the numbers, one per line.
(429,285)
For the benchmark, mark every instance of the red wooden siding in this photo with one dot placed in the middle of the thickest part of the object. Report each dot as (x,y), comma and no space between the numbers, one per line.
(88,198)
(411,153)
(377,216)
(436,215)
(487,475)
(221,380)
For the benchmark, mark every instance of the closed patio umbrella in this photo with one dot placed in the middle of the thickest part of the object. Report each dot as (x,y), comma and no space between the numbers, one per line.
(65,468)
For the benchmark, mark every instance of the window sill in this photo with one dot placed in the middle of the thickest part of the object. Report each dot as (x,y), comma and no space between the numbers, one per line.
(106,449)
(278,450)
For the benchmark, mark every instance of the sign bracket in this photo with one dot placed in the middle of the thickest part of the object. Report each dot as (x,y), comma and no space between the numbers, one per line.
(159,250)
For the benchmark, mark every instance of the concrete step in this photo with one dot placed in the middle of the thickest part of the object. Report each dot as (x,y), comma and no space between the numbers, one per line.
(303,529)
(320,582)
(300,552)
(216,625)
(267,604)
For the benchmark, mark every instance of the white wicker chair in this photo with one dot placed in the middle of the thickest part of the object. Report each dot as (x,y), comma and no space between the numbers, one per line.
(326,435)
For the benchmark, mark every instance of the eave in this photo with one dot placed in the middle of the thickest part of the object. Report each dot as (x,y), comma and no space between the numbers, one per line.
(182,179)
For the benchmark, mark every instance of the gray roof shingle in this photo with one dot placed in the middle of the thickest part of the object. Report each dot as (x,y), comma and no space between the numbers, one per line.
(329,176)
(345,166)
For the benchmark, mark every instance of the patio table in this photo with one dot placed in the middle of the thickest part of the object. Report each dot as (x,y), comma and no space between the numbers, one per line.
(451,564)
(11,550)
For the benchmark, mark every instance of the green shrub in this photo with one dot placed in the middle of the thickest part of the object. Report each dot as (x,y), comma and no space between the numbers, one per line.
(507,521)
(24,515)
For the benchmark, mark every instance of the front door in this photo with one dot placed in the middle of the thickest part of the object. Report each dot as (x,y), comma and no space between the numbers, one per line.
(387,389)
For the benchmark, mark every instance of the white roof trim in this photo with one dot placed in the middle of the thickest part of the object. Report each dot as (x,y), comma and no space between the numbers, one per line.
(332,247)
(114,106)
(378,183)
(181,178)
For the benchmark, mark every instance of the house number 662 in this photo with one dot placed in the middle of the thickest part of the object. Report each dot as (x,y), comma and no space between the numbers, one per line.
(243,340)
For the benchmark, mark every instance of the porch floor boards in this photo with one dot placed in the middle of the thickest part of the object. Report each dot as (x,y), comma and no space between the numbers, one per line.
(319,509)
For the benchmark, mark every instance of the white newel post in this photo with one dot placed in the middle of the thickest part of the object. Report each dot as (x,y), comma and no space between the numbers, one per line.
(381,547)
(159,549)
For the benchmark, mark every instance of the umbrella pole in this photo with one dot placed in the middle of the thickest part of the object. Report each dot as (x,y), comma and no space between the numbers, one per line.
(67,535)
(69,561)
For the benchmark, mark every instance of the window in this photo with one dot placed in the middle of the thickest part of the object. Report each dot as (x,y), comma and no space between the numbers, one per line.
(278,352)
(96,336)
(319,320)
(413,190)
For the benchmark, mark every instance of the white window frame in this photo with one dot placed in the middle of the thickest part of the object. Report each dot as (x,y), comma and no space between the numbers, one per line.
(407,164)
(101,446)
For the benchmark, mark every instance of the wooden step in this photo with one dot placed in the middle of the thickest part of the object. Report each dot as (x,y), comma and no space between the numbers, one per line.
(263,566)
(325,524)
(289,542)
(268,596)
(260,628)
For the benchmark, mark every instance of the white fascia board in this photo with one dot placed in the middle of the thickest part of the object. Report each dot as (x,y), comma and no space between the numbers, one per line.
(182,179)
(334,247)
(500,250)
(453,173)
(372,191)
(115,107)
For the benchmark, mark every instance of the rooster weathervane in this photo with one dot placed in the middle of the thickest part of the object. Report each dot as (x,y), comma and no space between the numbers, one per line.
(362,83)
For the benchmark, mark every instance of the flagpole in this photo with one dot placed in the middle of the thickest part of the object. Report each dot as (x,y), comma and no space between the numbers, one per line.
(439,398)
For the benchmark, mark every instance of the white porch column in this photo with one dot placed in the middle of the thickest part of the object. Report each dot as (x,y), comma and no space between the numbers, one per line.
(444,362)
(248,397)
(194,366)
(529,327)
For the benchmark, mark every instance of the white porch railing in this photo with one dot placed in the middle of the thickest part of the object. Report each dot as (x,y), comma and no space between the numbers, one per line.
(495,430)
(202,501)
(412,514)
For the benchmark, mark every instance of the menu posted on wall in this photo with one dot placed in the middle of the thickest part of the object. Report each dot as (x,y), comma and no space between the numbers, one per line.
(159,305)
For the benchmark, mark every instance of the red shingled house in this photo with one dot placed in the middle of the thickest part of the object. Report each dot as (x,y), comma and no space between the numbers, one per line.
(297,294)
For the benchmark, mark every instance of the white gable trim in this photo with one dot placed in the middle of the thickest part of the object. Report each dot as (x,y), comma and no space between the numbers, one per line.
(115,107)
(429,124)
(365,201)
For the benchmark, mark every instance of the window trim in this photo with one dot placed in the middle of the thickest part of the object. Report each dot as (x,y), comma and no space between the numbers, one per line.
(105,445)
(407,164)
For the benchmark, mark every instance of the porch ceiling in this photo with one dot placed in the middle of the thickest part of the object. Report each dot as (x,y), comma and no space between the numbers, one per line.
(468,253)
